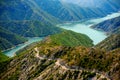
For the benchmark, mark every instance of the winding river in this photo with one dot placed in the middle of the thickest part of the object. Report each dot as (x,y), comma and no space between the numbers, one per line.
(11,52)
(81,27)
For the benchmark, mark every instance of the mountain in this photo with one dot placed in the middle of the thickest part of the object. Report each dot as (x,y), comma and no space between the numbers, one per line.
(29,28)
(9,39)
(24,10)
(51,11)
(104,6)
(110,26)
(39,17)
(110,43)
(24,18)
(63,55)
(64,11)
(13,32)
(67,11)
(53,61)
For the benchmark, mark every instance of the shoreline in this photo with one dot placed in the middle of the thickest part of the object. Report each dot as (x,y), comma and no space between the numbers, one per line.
(83,20)
(13,47)
(19,44)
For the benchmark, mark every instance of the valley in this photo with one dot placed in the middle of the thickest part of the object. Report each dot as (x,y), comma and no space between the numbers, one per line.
(59,39)
(85,27)
(80,27)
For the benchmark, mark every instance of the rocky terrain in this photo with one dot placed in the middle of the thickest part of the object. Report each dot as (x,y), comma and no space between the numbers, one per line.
(48,61)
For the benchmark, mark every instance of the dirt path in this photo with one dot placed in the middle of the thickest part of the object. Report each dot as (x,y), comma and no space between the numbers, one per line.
(59,63)
(37,54)
(40,57)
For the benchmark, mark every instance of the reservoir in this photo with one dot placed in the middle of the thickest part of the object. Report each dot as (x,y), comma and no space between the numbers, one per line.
(80,27)
(85,27)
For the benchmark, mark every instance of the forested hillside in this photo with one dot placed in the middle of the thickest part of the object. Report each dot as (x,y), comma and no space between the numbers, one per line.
(29,28)
(9,39)
(62,54)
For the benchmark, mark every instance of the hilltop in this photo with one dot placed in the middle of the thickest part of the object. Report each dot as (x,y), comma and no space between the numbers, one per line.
(47,60)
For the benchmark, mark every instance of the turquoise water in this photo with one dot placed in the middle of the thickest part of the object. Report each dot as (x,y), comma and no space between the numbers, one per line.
(81,27)
(12,51)
(84,27)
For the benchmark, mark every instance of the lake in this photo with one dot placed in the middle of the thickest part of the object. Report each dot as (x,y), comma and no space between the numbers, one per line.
(12,51)
(84,27)
(81,27)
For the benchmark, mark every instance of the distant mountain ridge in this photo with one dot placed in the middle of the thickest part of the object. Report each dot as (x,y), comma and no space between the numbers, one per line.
(50,11)
(59,9)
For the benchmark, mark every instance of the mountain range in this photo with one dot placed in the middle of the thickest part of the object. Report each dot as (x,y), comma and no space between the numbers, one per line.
(63,54)
(50,11)
(40,17)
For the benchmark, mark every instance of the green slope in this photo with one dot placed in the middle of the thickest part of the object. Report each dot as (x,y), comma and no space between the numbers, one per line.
(70,38)
(24,10)
(81,62)
(4,61)
(3,57)
(29,28)
(9,39)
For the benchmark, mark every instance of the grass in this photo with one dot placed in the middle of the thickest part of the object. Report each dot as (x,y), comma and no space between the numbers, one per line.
(70,38)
